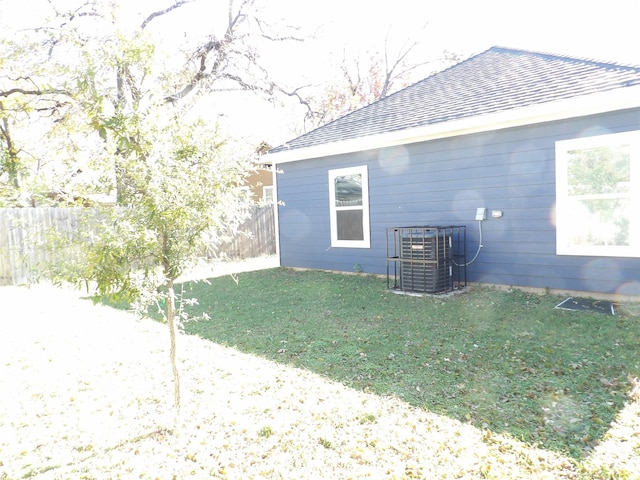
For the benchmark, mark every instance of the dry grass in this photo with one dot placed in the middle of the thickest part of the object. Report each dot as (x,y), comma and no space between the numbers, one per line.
(86,393)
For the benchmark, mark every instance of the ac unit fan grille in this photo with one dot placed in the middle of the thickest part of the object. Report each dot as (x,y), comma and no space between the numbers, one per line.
(425,264)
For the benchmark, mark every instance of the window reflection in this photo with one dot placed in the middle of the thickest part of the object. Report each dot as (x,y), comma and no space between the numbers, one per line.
(348,190)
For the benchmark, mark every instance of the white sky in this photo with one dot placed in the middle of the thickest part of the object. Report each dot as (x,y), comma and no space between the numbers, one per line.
(602,30)
(608,30)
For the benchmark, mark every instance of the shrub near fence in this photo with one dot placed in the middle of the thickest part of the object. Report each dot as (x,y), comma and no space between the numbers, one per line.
(23,239)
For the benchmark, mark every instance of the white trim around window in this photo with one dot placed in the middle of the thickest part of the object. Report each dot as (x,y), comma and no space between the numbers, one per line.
(598,195)
(349,207)
(267,194)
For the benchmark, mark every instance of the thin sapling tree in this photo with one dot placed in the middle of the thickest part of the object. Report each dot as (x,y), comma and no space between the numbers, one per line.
(183,197)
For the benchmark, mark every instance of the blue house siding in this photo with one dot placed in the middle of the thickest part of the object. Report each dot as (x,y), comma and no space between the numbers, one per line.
(442,182)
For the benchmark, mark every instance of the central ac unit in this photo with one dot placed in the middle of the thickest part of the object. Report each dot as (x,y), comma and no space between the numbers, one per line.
(426,259)
(425,263)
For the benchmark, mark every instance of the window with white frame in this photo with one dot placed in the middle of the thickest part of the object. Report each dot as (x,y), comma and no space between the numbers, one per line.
(349,207)
(598,195)
(267,195)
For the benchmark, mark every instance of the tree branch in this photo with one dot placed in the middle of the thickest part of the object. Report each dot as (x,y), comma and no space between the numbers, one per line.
(266,36)
(23,91)
(219,46)
(213,60)
(159,13)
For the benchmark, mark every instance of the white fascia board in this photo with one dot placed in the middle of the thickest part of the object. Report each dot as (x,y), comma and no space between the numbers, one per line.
(610,101)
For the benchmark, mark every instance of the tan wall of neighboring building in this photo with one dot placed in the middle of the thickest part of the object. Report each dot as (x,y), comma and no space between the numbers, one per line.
(259,179)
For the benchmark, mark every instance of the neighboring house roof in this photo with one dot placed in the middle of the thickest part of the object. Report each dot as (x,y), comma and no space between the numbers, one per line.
(490,86)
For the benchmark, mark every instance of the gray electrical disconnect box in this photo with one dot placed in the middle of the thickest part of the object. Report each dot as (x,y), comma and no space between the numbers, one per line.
(481,213)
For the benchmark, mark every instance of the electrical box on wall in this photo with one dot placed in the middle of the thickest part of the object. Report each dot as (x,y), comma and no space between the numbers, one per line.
(481,214)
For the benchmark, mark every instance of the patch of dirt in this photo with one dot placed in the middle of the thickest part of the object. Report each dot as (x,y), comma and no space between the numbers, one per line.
(218,269)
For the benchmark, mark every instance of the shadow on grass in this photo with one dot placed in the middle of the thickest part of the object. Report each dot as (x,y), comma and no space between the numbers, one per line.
(504,361)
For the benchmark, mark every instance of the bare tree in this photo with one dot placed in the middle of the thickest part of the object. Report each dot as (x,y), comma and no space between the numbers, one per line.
(370,77)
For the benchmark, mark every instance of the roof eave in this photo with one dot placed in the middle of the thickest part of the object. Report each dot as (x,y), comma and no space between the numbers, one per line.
(618,99)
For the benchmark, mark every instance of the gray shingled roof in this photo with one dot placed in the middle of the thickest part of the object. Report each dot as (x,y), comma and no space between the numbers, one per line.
(496,80)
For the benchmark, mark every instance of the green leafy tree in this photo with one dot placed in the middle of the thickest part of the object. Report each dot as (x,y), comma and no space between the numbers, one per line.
(74,84)
(108,98)
(179,186)
(181,200)
(27,101)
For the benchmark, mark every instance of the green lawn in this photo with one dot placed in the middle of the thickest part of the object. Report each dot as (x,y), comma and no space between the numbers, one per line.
(502,360)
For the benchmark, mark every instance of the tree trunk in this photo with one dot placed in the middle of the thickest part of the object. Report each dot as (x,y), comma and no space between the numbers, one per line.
(171,321)
(11,163)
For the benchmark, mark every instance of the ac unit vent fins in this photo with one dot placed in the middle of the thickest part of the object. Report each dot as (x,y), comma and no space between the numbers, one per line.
(426,259)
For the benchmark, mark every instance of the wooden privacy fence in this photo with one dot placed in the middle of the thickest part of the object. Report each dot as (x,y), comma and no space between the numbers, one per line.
(257,236)
(23,239)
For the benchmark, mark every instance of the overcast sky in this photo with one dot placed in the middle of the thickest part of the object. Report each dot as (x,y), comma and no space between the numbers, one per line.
(602,30)
(607,30)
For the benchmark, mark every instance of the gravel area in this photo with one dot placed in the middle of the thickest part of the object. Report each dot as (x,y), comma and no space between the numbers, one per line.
(86,392)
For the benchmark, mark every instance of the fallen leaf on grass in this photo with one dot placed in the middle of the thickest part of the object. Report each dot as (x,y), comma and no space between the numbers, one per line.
(609,383)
